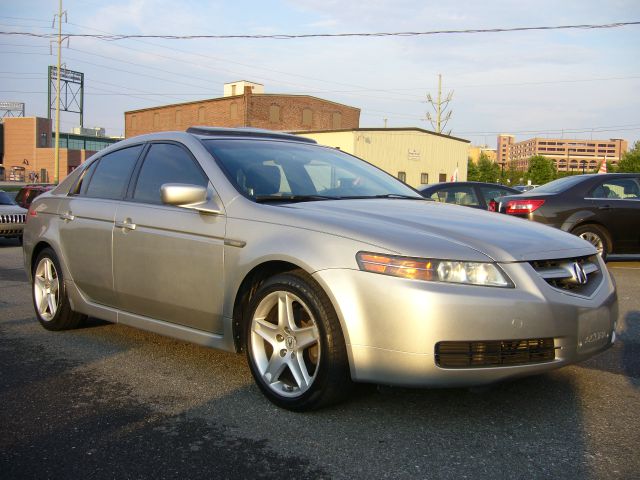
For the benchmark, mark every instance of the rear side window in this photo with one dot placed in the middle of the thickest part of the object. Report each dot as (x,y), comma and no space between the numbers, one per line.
(618,188)
(459,195)
(166,163)
(112,173)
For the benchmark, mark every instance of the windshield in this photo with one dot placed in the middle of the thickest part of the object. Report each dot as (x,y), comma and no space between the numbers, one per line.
(559,185)
(5,199)
(270,171)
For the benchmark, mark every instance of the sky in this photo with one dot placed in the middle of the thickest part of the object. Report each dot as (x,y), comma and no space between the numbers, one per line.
(562,83)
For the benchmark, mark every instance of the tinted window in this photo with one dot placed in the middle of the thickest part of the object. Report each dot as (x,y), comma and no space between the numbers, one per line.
(112,173)
(83,182)
(166,163)
(560,185)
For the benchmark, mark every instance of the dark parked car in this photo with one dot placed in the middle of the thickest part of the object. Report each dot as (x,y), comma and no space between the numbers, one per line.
(27,193)
(470,194)
(602,209)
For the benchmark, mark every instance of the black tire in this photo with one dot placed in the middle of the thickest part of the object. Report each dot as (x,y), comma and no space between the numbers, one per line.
(325,359)
(596,236)
(49,294)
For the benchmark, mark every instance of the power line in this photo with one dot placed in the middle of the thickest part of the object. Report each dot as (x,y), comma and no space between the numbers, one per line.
(287,36)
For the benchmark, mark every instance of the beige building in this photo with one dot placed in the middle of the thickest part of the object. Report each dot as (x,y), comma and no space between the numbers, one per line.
(568,154)
(245,104)
(476,150)
(414,155)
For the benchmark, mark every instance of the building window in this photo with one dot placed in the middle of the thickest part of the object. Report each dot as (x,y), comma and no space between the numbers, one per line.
(336,120)
(307,117)
(442,177)
(424,178)
(156,120)
(178,117)
(274,113)
(233,110)
(134,122)
(201,114)
(402,176)
(233,89)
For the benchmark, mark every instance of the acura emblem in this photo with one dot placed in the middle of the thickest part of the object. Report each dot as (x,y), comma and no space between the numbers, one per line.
(579,274)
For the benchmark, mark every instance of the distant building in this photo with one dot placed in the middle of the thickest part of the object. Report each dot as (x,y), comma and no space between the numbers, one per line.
(476,150)
(27,150)
(504,142)
(245,104)
(567,154)
(413,155)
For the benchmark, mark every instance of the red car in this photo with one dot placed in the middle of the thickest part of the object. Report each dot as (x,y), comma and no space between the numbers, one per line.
(27,193)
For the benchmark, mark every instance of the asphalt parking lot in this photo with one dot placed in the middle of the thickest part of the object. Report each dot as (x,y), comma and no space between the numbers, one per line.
(109,401)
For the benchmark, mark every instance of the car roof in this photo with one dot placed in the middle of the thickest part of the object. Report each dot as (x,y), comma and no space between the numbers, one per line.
(208,132)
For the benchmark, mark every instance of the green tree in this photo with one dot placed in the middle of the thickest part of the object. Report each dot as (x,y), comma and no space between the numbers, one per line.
(472,171)
(541,170)
(630,161)
(488,171)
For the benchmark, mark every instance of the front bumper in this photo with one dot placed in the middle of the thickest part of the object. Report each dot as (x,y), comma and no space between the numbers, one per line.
(392,325)
(11,229)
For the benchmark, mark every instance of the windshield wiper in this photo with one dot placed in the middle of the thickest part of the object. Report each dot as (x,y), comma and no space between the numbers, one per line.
(290,198)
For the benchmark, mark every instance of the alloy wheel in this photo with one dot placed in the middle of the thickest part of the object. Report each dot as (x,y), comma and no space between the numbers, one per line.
(285,343)
(594,240)
(46,288)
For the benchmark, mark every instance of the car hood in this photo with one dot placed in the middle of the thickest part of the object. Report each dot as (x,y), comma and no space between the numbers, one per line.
(11,209)
(432,229)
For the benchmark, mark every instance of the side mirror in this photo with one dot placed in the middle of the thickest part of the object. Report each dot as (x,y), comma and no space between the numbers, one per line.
(187,196)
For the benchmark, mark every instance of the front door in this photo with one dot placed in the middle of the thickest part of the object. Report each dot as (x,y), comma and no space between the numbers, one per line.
(168,261)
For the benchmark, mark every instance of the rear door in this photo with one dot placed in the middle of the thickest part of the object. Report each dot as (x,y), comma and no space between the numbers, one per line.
(86,223)
(168,261)
(617,201)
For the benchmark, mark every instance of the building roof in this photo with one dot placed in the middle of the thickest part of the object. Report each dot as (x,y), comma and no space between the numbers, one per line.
(405,129)
(239,96)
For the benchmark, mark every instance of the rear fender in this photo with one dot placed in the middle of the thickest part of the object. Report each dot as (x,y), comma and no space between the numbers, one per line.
(577,218)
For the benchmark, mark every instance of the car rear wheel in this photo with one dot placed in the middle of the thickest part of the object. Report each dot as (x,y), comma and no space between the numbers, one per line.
(596,236)
(50,295)
(295,346)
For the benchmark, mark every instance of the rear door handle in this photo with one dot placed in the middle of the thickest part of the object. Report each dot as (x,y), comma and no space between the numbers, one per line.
(605,207)
(126,225)
(67,216)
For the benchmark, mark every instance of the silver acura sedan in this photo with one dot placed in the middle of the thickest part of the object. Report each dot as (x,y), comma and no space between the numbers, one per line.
(323,268)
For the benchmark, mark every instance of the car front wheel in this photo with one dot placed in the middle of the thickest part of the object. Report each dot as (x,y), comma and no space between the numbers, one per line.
(50,295)
(295,346)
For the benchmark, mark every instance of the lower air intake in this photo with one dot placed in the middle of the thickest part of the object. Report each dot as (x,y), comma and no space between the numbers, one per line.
(494,353)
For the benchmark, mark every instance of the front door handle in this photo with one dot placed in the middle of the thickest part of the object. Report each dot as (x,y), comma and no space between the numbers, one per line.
(67,216)
(126,225)
(605,207)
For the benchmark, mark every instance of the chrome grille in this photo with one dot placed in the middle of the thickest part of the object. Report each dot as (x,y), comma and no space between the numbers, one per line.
(494,353)
(13,218)
(580,275)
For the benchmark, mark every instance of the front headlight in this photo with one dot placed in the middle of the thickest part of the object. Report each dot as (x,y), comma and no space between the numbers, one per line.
(434,270)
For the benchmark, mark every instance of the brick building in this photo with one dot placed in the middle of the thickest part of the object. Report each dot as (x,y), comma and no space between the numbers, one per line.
(567,154)
(245,105)
(28,150)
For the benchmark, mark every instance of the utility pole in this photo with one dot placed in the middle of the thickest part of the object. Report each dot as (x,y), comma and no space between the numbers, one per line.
(56,157)
(440,107)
